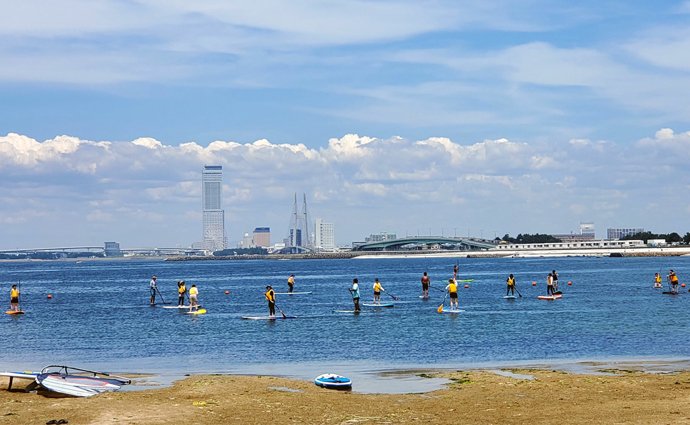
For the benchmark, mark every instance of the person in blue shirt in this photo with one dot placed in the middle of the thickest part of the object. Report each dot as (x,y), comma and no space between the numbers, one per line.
(354,290)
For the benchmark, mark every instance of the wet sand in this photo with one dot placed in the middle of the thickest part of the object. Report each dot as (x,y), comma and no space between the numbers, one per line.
(521,396)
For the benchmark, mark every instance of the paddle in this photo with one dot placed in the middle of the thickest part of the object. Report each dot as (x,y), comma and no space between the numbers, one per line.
(440,308)
(280,310)
(161,295)
(516,290)
(391,295)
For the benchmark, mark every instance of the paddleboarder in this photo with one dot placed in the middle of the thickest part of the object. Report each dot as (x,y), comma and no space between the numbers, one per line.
(549,284)
(291,282)
(153,288)
(181,291)
(377,291)
(455,271)
(271,298)
(510,285)
(426,281)
(555,280)
(673,280)
(354,290)
(452,289)
(193,298)
(657,280)
(14,298)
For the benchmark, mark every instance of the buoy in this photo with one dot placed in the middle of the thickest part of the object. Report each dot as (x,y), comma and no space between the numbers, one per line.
(467,286)
(227,292)
(50,296)
(570,283)
(534,283)
(682,285)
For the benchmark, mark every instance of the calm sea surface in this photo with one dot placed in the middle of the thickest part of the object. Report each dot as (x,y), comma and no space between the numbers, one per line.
(99,314)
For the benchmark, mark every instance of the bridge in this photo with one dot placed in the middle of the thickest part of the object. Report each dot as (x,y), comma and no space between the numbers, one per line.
(424,242)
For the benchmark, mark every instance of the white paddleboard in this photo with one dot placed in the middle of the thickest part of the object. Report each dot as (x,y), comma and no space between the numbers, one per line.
(453,311)
(510,297)
(294,293)
(176,306)
(267,317)
(378,305)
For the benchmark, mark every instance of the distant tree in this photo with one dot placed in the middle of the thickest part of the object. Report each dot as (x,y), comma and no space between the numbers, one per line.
(527,238)
(686,239)
(673,238)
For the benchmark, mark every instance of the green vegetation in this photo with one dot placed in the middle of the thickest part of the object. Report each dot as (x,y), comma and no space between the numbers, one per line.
(670,238)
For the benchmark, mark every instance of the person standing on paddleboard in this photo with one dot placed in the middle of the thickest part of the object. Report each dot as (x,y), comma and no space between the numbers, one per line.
(354,290)
(291,282)
(14,298)
(193,298)
(426,281)
(510,285)
(554,276)
(181,291)
(153,288)
(377,291)
(549,284)
(657,280)
(452,289)
(673,279)
(271,298)
(455,271)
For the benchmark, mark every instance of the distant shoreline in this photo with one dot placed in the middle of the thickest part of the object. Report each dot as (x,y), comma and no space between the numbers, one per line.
(526,253)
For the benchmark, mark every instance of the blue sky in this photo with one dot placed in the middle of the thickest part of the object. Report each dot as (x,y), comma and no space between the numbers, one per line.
(403,116)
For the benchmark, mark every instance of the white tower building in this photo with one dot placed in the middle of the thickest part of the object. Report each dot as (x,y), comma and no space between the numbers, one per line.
(214,237)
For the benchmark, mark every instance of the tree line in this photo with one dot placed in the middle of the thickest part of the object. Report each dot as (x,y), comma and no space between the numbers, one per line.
(670,238)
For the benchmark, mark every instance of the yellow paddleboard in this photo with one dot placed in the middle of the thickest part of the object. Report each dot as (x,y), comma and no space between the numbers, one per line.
(199,311)
(14,312)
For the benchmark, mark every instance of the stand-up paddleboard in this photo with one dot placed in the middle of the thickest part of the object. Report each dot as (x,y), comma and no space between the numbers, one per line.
(197,312)
(333,381)
(510,297)
(268,317)
(294,293)
(452,311)
(549,297)
(176,307)
(378,305)
(464,280)
(670,293)
(13,312)
(423,297)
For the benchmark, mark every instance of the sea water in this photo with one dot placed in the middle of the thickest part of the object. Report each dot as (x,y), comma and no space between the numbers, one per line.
(99,314)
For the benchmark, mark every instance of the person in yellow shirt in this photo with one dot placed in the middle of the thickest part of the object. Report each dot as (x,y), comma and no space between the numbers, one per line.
(377,291)
(452,289)
(657,280)
(673,280)
(510,283)
(271,298)
(181,291)
(193,298)
(291,282)
(14,298)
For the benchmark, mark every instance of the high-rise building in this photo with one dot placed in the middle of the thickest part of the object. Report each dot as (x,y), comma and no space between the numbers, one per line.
(617,233)
(324,235)
(214,237)
(262,237)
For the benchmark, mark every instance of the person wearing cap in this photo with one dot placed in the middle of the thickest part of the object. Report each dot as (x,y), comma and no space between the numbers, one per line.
(181,291)
(377,291)
(153,288)
(452,289)
(271,298)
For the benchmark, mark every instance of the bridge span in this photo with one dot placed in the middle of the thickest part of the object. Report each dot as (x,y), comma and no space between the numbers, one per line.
(424,242)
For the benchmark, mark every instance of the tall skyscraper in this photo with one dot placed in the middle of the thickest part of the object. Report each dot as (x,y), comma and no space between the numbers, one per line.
(324,235)
(214,237)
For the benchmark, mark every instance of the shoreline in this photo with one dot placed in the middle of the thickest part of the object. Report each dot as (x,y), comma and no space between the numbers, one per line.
(620,394)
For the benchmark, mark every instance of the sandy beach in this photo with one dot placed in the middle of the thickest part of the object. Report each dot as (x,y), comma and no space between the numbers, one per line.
(474,397)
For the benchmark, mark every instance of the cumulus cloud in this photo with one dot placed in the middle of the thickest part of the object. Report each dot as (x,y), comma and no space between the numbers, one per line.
(142,189)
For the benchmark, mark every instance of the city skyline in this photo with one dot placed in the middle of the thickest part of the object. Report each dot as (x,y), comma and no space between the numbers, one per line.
(409,117)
